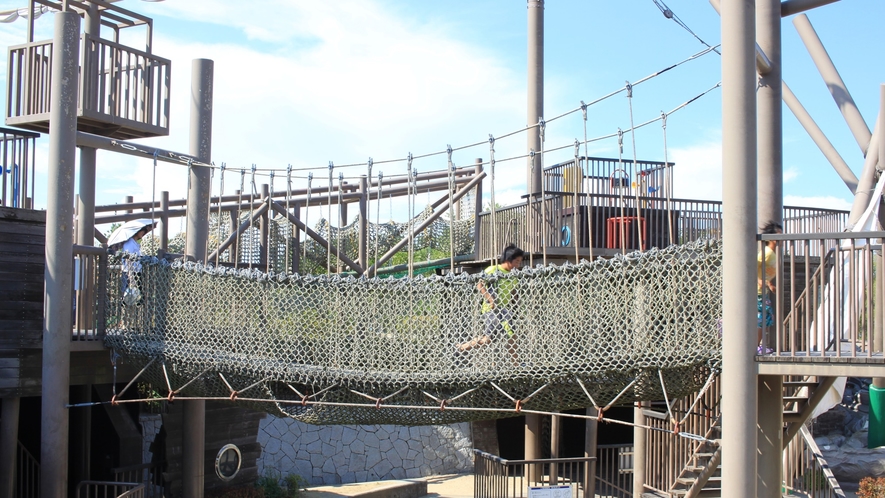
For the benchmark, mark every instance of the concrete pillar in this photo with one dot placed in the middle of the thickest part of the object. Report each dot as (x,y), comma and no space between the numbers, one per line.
(535,86)
(739,248)
(8,445)
(59,253)
(194,412)
(770,207)
(639,440)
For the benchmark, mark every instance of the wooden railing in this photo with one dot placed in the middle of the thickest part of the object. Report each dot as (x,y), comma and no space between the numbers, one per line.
(825,305)
(89,292)
(806,473)
(121,82)
(27,474)
(17,168)
(124,92)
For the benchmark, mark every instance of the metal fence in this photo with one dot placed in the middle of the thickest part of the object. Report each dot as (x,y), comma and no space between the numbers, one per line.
(148,474)
(89,292)
(17,168)
(495,477)
(614,470)
(564,220)
(27,474)
(824,305)
(806,473)
(105,489)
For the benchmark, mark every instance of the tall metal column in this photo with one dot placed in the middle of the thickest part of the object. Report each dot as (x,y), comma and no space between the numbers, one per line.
(739,248)
(535,109)
(194,423)
(590,440)
(8,444)
(59,253)
(535,87)
(770,207)
(639,446)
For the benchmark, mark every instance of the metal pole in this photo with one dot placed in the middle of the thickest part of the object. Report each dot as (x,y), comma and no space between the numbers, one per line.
(535,86)
(362,258)
(739,248)
(264,231)
(86,201)
(770,207)
(834,82)
(535,109)
(639,447)
(554,448)
(590,438)
(769,116)
(59,255)
(8,445)
(877,390)
(164,221)
(477,208)
(194,412)
(817,135)
(296,242)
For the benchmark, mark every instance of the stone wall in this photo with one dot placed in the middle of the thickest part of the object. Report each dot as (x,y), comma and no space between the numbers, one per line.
(358,453)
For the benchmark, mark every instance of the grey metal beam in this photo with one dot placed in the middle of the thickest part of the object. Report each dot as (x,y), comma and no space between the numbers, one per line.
(867,182)
(834,82)
(793,7)
(739,249)
(194,411)
(817,135)
(57,307)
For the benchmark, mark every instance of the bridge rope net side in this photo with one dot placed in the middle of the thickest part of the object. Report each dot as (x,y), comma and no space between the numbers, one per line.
(332,349)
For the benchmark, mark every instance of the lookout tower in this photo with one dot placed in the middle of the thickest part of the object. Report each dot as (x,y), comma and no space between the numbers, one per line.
(123,91)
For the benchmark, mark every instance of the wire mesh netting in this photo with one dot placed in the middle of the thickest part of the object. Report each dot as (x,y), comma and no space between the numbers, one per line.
(315,347)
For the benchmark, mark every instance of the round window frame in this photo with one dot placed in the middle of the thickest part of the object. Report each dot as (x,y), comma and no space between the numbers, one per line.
(224,449)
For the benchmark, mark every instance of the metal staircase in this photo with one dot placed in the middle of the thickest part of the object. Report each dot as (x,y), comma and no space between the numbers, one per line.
(801,396)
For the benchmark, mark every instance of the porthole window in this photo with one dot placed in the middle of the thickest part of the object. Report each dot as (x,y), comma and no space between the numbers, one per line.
(227,463)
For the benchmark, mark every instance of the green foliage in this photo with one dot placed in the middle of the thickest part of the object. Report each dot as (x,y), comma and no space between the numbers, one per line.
(871,488)
(273,485)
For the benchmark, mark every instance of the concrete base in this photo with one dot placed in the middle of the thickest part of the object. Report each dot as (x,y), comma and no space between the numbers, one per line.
(408,488)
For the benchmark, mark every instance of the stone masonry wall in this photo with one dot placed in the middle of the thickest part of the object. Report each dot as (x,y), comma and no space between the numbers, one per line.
(358,453)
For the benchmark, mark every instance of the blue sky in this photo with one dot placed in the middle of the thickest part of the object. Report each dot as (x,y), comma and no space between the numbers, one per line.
(305,83)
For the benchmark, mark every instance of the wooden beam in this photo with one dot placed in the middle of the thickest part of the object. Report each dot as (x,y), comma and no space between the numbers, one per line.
(315,236)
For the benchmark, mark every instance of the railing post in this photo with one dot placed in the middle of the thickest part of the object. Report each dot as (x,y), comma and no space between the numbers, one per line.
(164,221)
(477,202)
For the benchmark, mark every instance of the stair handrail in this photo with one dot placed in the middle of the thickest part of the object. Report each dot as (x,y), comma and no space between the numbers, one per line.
(27,473)
(819,467)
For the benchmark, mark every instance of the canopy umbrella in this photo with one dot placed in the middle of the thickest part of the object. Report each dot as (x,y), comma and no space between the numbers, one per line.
(125,231)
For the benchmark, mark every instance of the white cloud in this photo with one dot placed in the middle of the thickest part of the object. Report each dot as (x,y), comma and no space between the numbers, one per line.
(820,201)
(791,173)
(698,171)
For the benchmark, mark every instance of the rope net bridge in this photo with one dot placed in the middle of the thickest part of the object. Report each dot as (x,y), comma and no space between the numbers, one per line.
(345,350)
